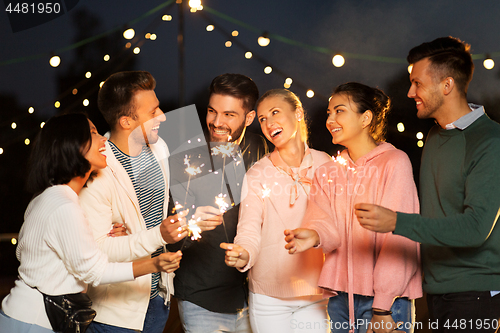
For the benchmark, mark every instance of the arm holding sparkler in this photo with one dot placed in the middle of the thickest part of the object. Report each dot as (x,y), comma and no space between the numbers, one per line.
(98,201)
(247,243)
(236,256)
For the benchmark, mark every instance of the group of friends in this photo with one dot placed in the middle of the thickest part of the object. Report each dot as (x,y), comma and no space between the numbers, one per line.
(309,242)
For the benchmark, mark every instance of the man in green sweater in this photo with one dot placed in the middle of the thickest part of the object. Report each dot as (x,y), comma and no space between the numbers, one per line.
(459,193)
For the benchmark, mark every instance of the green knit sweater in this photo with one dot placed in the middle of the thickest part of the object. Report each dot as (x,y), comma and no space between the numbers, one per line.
(460,205)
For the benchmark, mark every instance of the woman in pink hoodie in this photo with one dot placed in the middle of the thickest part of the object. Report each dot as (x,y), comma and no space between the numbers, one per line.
(371,278)
(284,293)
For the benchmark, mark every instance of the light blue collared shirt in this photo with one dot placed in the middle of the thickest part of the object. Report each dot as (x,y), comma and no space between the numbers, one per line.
(466,120)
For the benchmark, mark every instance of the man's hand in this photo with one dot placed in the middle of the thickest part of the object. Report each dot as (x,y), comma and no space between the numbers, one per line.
(300,240)
(236,256)
(173,228)
(375,218)
(207,217)
(168,262)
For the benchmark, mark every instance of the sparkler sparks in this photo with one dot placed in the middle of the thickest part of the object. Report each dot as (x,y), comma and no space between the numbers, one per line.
(342,161)
(227,150)
(220,200)
(266,191)
(192,171)
(194,229)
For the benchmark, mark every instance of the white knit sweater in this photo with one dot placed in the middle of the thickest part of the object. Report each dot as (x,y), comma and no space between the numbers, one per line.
(58,255)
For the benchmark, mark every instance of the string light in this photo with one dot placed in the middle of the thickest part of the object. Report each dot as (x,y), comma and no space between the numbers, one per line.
(100,84)
(153,37)
(27,142)
(235,33)
(13,125)
(148,35)
(86,102)
(288,83)
(128,45)
(13,241)
(268,70)
(137,50)
(338,60)
(194,3)
(264,40)
(488,63)
(129,33)
(420,135)
(228,43)
(42,124)
(248,55)
(410,67)
(31,109)
(75,91)
(210,27)
(88,75)
(420,143)
(106,57)
(400,127)
(1,151)
(166,18)
(310,93)
(55,61)
(57,104)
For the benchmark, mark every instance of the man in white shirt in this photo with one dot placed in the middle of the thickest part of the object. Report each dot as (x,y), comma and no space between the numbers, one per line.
(132,190)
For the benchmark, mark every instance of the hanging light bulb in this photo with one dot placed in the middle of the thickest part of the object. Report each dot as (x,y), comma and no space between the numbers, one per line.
(55,61)
(488,63)
(338,60)
(264,39)
(129,33)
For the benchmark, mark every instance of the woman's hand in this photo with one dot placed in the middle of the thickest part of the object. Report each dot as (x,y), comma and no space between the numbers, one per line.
(118,230)
(300,240)
(236,256)
(382,324)
(168,262)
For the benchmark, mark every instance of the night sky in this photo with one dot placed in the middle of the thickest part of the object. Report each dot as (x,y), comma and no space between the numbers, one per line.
(374,36)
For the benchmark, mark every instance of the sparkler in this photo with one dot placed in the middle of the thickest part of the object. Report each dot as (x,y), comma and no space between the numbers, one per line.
(220,200)
(191,171)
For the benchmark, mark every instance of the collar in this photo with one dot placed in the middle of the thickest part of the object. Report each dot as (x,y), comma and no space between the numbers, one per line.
(466,120)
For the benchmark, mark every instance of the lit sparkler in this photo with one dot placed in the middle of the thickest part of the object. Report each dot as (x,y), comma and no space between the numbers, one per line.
(220,200)
(194,229)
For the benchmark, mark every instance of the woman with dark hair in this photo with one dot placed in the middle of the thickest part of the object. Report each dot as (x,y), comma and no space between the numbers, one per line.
(372,278)
(56,249)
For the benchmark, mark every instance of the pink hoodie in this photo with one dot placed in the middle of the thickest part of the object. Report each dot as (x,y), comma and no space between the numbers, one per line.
(359,261)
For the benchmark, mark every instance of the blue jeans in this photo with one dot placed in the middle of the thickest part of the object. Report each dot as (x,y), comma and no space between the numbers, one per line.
(156,318)
(338,310)
(196,319)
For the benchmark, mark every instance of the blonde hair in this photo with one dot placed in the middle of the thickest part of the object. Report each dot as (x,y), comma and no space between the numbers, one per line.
(294,102)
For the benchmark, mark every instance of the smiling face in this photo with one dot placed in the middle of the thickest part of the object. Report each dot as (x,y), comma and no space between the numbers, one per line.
(95,154)
(345,123)
(226,118)
(279,121)
(148,117)
(425,90)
